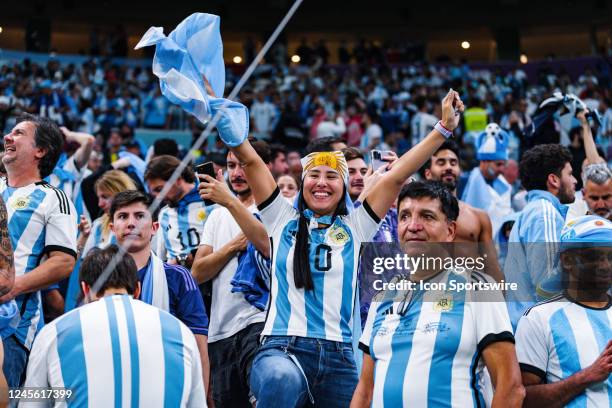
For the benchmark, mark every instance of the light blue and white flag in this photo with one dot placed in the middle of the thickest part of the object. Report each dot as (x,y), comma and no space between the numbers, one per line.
(190,53)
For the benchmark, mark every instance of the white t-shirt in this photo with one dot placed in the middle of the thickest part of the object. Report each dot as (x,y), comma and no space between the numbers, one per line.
(230,312)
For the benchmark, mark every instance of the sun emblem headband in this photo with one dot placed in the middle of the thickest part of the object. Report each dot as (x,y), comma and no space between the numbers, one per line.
(334,160)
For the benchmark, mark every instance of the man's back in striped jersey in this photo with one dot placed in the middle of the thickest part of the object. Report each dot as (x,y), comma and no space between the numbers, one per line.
(117,350)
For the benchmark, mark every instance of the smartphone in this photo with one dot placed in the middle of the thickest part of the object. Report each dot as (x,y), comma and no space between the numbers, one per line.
(377,158)
(206,169)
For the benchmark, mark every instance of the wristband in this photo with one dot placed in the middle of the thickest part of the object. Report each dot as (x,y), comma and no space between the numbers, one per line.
(445,132)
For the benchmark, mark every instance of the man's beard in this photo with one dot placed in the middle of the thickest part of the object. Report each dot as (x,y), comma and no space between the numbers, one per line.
(244,192)
(450,185)
(566,195)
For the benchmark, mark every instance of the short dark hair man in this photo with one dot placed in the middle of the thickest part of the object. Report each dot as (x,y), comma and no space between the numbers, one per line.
(424,347)
(531,262)
(91,349)
(278,163)
(168,287)
(182,220)
(43,225)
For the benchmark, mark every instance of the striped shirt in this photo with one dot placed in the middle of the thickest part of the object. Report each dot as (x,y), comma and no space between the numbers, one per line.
(41,219)
(327,311)
(532,259)
(557,338)
(427,348)
(182,226)
(118,352)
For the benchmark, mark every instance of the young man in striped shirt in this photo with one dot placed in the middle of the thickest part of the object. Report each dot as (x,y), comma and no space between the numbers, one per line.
(532,262)
(564,345)
(116,350)
(429,348)
(182,221)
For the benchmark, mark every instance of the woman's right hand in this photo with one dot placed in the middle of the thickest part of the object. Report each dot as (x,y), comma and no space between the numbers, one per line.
(85,230)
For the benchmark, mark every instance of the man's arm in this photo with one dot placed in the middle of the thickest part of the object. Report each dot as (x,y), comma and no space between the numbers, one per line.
(560,393)
(362,397)
(500,359)
(202,343)
(86,143)
(207,264)
(590,149)
(57,267)
(7,265)
(385,192)
(217,191)
(3,384)
(487,248)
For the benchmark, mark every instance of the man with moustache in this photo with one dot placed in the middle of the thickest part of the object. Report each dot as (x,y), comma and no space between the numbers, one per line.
(597,190)
(532,260)
(426,348)
(235,324)
(473,224)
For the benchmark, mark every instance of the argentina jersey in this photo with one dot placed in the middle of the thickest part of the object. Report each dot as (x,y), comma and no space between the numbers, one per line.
(182,226)
(67,177)
(96,237)
(41,220)
(557,338)
(326,312)
(427,345)
(117,352)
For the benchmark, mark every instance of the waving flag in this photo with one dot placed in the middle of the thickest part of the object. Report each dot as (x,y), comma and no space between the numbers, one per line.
(190,53)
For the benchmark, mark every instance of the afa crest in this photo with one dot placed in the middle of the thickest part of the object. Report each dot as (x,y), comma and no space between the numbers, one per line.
(339,236)
(443,304)
(20,203)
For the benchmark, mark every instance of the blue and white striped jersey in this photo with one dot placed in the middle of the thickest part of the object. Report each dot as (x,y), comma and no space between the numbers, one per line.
(557,338)
(427,345)
(119,351)
(97,239)
(41,219)
(327,311)
(532,259)
(182,226)
(67,177)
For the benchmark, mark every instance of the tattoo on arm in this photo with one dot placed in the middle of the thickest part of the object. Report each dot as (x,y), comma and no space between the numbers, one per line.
(7,267)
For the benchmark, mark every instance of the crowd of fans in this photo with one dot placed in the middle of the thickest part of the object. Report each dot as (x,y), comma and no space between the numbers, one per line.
(78,180)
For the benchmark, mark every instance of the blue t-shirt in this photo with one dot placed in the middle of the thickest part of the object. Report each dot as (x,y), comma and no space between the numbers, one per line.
(185,299)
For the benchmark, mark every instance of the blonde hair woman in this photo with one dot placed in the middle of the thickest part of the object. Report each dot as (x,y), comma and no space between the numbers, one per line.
(99,235)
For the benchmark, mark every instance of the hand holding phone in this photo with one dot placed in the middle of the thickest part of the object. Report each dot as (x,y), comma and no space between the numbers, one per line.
(380,158)
(209,170)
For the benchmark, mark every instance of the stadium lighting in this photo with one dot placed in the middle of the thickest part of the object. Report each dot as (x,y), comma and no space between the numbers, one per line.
(295,58)
(237,59)
(523,59)
(465,45)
